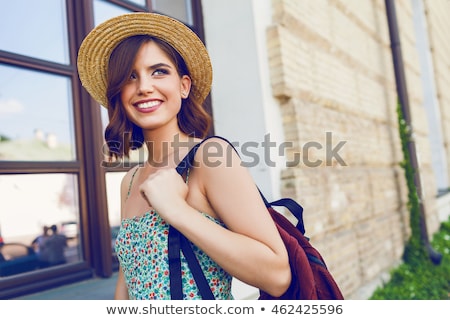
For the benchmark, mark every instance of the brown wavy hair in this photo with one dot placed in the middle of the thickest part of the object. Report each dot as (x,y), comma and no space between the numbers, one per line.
(121,134)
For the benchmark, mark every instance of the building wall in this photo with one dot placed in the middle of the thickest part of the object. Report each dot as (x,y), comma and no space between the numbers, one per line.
(332,73)
(319,75)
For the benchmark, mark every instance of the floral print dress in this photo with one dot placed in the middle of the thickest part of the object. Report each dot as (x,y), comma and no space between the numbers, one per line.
(141,247)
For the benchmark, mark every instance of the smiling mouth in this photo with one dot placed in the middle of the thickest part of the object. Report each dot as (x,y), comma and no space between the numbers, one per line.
(147,105)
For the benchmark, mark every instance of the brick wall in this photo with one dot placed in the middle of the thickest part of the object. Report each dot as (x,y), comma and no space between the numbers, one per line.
(332,72)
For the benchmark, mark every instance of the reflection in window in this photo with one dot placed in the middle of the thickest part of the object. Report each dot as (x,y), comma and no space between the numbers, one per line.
(139,2)
(41,31)
(35,116)
(113,181)
(178,9)
(104,11)
(39,219)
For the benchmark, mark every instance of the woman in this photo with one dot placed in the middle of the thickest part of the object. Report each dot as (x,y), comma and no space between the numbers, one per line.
(153,74)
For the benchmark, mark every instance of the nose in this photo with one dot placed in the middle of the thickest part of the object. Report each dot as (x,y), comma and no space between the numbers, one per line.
(145,85)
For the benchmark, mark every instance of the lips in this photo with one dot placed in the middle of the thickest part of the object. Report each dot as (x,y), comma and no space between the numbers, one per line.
(148,106)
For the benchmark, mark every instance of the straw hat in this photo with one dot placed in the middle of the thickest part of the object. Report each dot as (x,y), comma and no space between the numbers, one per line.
(94,53)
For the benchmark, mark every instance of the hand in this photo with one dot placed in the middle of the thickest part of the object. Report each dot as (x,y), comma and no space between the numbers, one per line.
(165,191)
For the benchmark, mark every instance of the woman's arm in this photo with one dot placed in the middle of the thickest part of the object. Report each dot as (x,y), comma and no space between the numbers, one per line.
(250,248)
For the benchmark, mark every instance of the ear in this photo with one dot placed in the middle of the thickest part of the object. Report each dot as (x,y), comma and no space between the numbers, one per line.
(185,86)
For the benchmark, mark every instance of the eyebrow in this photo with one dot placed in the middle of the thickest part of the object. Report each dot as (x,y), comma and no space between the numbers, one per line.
(156,66)
(159,65)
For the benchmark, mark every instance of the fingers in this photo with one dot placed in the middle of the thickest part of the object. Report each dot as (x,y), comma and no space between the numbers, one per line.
(163,187)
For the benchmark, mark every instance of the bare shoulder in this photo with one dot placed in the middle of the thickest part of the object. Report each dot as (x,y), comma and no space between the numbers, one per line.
(216,152)
(230,189)
(220,167)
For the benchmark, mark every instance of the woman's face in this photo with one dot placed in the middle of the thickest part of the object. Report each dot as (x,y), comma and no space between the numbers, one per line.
(152,95)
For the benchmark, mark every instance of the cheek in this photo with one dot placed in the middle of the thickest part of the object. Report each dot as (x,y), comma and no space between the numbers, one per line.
(126,93)
(125,97)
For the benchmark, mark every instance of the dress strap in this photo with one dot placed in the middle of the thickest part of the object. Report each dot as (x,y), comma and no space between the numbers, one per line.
(187,175)
(131,181)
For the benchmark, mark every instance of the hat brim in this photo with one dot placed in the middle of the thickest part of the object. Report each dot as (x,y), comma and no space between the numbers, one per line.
(96,48)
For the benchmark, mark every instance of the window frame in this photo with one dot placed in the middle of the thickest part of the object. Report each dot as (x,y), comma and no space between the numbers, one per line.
(87,123)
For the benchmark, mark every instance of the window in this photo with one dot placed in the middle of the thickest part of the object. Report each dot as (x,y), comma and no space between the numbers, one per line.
(36,123)
(179,9)
(39,167)
(43,36)
(33,203)
(51,141)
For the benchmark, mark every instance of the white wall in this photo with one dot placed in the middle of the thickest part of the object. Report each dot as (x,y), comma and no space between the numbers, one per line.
(430,101)
(243,106)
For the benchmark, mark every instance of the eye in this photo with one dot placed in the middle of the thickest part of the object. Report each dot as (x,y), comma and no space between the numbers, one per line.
(160,72)
(133,76)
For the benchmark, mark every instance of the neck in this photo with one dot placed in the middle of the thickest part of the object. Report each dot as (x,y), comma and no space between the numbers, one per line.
(167,149)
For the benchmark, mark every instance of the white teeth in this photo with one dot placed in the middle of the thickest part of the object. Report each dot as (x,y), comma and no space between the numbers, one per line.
(147,105)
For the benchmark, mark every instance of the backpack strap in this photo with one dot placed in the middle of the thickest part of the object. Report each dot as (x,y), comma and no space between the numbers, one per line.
(176,287)
(177,242)
(294,208)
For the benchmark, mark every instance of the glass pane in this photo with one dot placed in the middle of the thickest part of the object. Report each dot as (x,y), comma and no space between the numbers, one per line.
(178,9)
(31,204)
(40,33)
(35,116)
(104,11)
(138,2)
(113,181)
